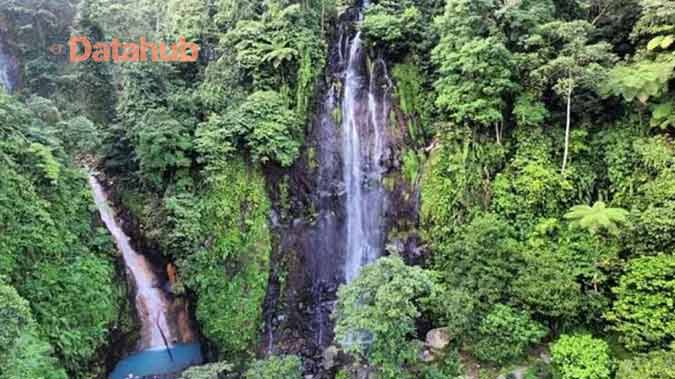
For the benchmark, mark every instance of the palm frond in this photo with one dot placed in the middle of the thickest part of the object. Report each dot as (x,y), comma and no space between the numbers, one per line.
(598,217)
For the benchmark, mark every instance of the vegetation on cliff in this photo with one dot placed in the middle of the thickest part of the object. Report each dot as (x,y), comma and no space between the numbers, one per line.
(538,136)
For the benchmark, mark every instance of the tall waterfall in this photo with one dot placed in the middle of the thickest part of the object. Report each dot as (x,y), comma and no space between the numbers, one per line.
(364,119)
(351,147)
(151,301)
(9,68)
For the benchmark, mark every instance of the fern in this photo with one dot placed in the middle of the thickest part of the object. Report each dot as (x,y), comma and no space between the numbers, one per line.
(598,217)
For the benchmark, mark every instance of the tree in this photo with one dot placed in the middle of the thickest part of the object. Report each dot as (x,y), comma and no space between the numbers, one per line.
(272,49)
(376,314)
(23,355)
(129,20)
(655,365)
(483,259)
(457,310)
(226,263)
(580,357)
(190,19)
(80,135)
(15,316)
(598,217)
(577,65)
(548,287)
(640,80)
(262,123)
(31,358)
(657,19)
(92,82)
(505,333)
(207,371)
(474,81)
(392,25)
(644,312)
(79,297)
(288,367)
(163,144)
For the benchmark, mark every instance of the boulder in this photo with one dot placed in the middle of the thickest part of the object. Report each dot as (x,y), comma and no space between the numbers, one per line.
(427,356)
(438,339)
(329,357)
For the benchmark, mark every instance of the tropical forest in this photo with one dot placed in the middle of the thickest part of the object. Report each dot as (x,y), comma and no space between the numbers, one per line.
(337,189)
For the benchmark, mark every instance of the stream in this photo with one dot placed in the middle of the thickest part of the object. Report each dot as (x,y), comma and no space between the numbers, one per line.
(165,347)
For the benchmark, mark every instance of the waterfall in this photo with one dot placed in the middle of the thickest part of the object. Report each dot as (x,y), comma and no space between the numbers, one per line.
(350,144)
(364,119)
(151,301)
(9,68)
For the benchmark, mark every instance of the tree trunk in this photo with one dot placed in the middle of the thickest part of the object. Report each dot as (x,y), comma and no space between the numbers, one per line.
(498,134)
(567,128)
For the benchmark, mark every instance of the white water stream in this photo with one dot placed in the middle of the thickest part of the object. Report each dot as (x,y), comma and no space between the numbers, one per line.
(151,301)
(363,128)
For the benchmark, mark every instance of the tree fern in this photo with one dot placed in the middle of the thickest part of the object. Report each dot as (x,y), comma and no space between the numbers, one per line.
(598,217)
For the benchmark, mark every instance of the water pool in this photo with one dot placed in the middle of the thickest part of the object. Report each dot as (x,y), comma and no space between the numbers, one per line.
(158,363)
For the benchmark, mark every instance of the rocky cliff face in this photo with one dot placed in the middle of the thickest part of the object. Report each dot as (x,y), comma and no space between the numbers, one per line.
(10,70)
(343,204)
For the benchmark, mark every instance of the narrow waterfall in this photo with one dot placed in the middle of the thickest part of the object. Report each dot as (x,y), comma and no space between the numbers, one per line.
(363,129)
(167,343)
(352,140)
(351,149)
(9,67)
(151,301)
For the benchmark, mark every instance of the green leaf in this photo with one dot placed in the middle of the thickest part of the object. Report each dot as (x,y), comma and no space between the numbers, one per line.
(654,43)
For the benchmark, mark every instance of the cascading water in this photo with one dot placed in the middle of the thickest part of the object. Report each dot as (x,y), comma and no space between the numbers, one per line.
(363,129)
(352,141)
(9,68)
(151,301)
(160,352)
(351,148)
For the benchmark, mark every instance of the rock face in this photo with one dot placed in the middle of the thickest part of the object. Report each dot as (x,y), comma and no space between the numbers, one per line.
(438,339)
(311,223)
(10,70)
(517,373)
(330,356)
(427,356)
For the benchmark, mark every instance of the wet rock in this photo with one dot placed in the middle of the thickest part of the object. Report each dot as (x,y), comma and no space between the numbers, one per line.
(545,357)
(330,355)
(438,339)
(518,373)
(365,372)
(427,356)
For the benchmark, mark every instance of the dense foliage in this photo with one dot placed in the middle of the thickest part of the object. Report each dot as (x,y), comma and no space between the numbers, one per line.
(288,367)
(376,314)
(56,265)
(536,137)
(581,357)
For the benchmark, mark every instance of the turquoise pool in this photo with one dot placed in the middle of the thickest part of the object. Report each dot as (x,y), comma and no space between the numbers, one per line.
(158,363)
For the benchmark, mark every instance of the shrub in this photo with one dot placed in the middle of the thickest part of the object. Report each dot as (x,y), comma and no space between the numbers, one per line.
(14,316)
(644,311)
(580,357)
(655,365)
(505,333)
(228,262)
(376,314)
(288,367)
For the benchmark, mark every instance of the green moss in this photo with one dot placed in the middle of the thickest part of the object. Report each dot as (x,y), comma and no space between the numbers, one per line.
(229,264)
(61,264)
(312,160)
(337,116)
